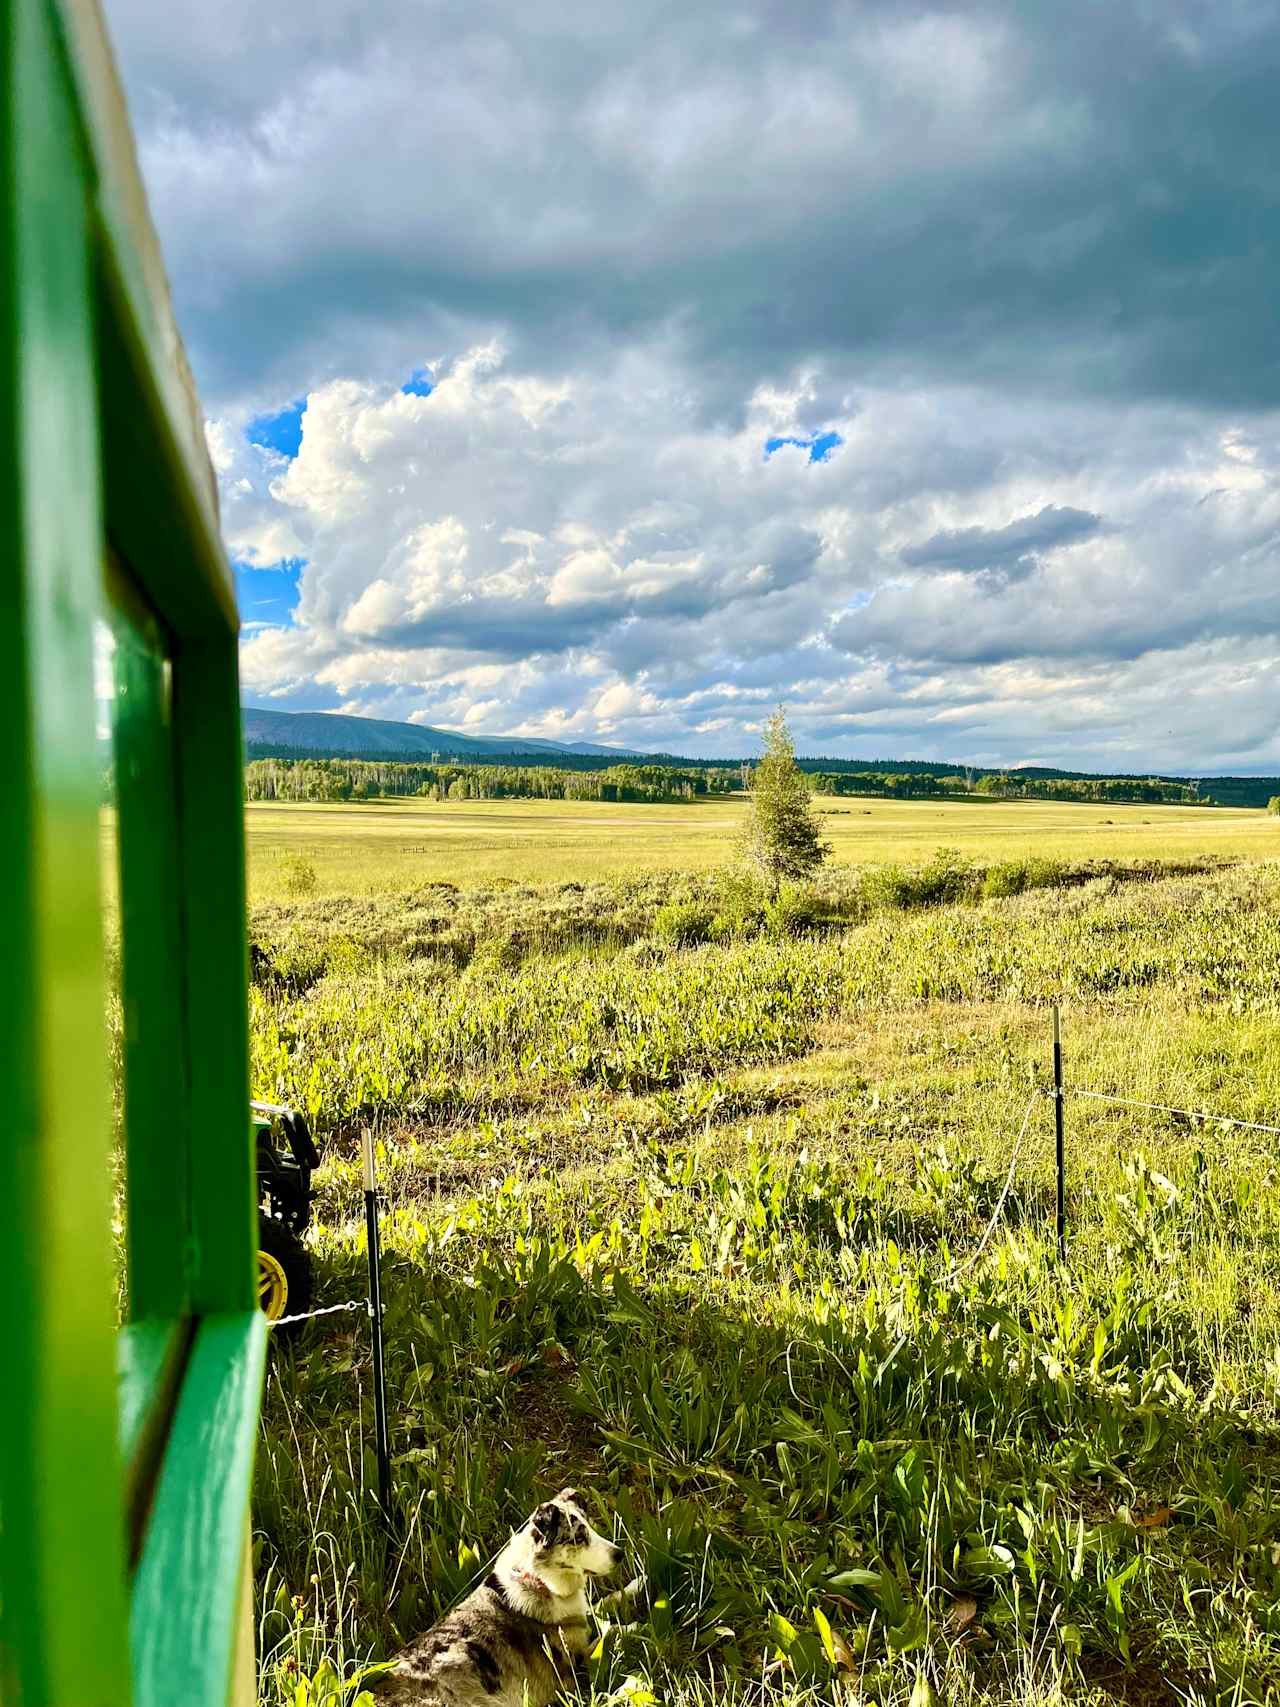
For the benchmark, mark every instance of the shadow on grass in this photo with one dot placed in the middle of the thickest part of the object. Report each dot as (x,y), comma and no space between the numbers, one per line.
(748,1440)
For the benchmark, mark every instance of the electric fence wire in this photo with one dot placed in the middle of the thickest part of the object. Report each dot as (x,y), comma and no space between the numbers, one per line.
(959,1268)
(1168,1108)
(329,1310)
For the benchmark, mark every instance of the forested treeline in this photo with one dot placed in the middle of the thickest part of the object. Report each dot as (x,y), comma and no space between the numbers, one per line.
(1240,790)
(1151,791)
(295,776)
(358,779)
(906,778)
(898,785)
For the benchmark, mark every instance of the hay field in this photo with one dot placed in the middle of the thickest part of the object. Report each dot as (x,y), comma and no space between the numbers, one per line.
(386,846)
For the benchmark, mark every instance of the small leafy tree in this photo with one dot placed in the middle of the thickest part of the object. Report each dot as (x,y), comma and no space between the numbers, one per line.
(299,875)
(782,837)
(1273,805)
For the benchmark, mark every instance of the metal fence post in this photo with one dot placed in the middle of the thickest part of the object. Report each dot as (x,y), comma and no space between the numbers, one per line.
(375,1322)
(1059,1145)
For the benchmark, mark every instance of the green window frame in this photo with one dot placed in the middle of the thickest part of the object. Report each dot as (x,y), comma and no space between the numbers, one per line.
(126,1455)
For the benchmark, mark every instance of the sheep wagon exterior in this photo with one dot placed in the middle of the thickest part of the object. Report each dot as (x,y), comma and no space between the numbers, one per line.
(126,1454)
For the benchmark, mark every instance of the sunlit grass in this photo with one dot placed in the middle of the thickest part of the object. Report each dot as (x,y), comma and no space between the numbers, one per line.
(692,1228)
(394,845)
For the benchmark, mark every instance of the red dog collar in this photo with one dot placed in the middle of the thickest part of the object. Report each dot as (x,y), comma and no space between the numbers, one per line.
(532,1585)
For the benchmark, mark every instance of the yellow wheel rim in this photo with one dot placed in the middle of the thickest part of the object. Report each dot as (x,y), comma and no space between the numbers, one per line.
(273,1287)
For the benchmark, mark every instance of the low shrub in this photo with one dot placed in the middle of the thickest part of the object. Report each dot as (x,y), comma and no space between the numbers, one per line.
(504,950)
(1014,877)
(684,923)
(299,876)
(739,901)
(290,965)
(947,878)
(793,911)
(287,966)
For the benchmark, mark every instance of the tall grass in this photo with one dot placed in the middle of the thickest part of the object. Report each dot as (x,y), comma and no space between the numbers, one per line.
(364,1030)
(685,1226)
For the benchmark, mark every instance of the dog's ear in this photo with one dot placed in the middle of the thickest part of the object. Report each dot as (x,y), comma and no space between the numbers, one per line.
(545,1525)
(570,1494)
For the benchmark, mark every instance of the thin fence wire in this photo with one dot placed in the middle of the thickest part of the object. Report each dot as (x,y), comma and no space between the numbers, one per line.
(960,1268)
(328,1310)
(1169,1108)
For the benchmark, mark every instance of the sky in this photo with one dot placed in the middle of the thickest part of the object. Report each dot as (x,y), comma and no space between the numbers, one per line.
(620,371)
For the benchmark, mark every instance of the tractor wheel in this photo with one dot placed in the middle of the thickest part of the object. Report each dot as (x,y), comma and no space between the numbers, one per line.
(284,1272)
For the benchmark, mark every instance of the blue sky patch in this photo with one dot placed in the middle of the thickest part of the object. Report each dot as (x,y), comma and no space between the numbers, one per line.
(818,445)
(281,432)
(268,595)
(419,383)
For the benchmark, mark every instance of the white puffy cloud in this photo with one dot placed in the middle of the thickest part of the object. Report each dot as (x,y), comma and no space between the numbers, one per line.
(583,554)
(1022,263)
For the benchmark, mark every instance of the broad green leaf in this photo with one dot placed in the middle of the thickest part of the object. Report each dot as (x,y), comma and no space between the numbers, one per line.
(783,1631)
(857,1577)
(824,1631)
(910,1633)
(988,1561)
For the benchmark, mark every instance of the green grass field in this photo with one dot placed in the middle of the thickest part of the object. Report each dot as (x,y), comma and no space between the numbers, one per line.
(700,1205)
(392,845)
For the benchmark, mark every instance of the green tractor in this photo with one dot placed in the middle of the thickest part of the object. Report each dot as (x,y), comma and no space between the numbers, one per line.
(286,1155)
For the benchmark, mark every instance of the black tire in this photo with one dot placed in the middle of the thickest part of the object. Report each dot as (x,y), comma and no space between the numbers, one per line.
(284,1273)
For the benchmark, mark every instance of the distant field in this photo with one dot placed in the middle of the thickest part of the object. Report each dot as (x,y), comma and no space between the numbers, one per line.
(389,845)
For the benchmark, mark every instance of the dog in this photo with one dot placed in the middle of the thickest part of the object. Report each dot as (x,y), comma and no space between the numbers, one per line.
(513,1641)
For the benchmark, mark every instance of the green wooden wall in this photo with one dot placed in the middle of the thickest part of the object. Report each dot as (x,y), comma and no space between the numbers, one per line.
(126,1452)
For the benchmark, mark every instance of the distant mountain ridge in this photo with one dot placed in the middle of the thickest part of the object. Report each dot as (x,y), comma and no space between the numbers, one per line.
(330,734)
(333,735)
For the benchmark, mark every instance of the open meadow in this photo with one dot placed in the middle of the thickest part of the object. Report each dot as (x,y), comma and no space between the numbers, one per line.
(394,845)
(738,1214)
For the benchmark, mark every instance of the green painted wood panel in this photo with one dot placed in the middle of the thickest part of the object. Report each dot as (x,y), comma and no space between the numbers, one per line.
(141,290)
(186,1596)
(149,1356)
(161,1259)
(155,522)
(211,807)
(84,466)
(151,1360)
(62,1533)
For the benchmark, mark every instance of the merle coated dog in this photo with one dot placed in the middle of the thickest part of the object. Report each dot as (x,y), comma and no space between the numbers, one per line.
(514,1640)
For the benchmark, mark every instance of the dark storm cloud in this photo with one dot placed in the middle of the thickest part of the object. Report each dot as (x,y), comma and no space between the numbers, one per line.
(1007,553)
(1044,197)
